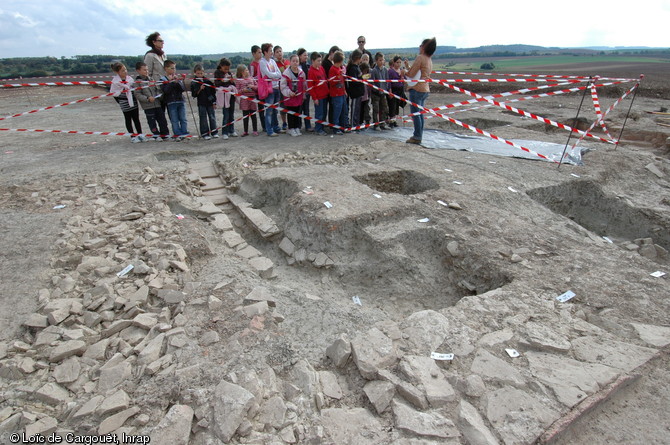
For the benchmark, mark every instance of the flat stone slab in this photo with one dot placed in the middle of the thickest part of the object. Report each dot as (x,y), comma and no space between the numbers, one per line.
(612,353)
(352,426)
(422,424)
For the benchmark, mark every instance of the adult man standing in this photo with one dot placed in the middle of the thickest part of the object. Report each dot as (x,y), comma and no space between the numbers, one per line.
(361,48)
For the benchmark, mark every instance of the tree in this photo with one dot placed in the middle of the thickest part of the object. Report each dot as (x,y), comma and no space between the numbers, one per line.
(487,66)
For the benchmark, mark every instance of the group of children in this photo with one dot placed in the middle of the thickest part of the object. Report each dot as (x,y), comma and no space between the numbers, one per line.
(337,96)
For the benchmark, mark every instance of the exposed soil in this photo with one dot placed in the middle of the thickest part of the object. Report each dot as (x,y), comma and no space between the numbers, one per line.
(517,234)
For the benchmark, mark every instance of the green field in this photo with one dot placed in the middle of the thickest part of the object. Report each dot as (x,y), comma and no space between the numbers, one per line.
(507,63)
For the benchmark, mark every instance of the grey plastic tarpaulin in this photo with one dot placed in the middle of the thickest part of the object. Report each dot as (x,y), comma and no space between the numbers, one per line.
(438,139)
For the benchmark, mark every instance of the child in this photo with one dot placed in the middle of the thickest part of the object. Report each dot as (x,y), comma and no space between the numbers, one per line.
(338,93)
(149,98)
(397,88)
(225,100)
(282,63)
(293,85)
(173,88)
(303,55)
(355,89)
(123,94)
(203,90)
(255,71)
(270,72)
(365,99)
(380,111)
(247,85)
(319,85)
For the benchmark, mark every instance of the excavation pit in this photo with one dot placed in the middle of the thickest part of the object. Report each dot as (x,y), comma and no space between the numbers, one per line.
(585,203)
(381,255)
(404,182)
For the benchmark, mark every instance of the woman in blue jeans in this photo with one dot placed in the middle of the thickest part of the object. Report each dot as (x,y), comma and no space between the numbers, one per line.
(418,93)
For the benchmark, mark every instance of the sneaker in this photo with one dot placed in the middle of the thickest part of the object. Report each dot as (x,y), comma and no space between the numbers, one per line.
(321,133)
(284,126)
(207,138)
(176,139)
(166,138)
(216,136)
(245,134)
(135,140)
(298,132)
(272,135)
(157,139)
(310,130)
(141,137)
(413,141)
(225,136)
(234,134)
(255,133)
(339,133)
(293,132)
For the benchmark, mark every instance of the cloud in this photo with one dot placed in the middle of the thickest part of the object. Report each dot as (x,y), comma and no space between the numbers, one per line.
(407,2)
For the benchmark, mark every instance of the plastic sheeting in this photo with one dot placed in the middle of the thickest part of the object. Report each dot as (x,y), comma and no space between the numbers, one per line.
(438,139)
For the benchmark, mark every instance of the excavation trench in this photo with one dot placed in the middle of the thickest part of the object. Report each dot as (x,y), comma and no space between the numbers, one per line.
(585,203)
(382,258)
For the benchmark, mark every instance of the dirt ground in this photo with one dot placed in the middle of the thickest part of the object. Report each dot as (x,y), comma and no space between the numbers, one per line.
(526,232)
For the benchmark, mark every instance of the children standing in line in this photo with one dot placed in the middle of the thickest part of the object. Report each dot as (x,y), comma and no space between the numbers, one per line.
(397,88)
(255,71)
(121,88)
(380,109)
(293,85)
(173,88)
(319,85)
(223,78)
(149,98)
(338,93)
(355,89)
(304,109)
(203,90)
(247,86)
(365,99)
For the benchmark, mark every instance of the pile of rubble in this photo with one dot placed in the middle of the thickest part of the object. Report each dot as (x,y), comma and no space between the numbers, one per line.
(115,349)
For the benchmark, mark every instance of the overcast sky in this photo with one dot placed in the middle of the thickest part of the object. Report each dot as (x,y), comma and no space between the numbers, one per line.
(118,27)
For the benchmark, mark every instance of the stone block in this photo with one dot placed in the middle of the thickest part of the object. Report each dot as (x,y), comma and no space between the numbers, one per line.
(230,406)
(340,351)
(263,266)
(426,375)
(221,222)
(380,394)
(287,246)
(174,428)
(329,385)
(422,424)
(118,401)
(258,294)
(372,351)
(67,371)
(52,394)
(67,349)
(473,427)
(116,421)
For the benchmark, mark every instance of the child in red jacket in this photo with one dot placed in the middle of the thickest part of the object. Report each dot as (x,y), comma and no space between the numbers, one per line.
(338,94)
(319,92)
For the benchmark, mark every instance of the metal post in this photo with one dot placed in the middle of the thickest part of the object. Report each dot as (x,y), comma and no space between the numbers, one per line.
(588,85)
(629,108)
(188,98)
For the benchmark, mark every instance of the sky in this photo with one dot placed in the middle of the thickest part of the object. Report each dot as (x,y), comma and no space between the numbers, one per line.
(74,27)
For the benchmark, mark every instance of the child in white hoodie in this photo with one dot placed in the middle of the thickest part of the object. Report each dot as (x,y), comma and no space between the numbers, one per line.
(122,85)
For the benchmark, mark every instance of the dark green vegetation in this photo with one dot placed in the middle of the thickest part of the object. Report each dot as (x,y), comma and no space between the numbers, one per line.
(500,56)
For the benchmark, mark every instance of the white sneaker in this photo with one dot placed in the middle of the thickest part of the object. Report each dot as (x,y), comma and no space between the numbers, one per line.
(216,136)
(293,132)
(234,134)
(207,138)
(141,137)
(299,133)
(225,136)
(135,140)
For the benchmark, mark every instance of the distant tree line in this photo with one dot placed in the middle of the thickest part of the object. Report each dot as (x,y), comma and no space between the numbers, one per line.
(52,66)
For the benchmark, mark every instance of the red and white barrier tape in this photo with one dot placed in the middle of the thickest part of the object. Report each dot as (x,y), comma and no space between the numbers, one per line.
(600,119)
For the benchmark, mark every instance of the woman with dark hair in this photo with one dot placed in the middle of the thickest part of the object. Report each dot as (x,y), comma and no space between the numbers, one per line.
(155,57)
(418,91)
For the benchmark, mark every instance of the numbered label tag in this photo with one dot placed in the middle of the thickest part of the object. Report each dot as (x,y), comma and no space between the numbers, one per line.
(566,296)
(512,353)
(125,271)
(328,205)
(438,356)
(356,300)
(658,274)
